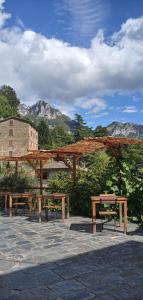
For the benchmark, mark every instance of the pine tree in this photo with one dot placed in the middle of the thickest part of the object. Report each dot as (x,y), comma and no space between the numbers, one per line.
(5,108)
(9,93)
(101,131)
(80,128)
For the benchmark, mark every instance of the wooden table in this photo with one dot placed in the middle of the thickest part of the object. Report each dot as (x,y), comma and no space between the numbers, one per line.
(64,198)
(122,201)
(13,196)
(6,197)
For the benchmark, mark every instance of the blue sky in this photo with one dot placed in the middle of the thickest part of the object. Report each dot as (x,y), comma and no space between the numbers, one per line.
(83,56)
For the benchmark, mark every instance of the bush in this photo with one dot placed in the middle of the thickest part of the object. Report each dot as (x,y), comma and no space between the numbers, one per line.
(15,182)
(90,181)
(103,174)
(126,182)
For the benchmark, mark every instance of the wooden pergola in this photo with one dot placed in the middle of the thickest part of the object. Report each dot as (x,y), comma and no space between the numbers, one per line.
(70,154)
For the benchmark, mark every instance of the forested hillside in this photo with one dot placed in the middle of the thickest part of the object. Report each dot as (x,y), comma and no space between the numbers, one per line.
(56,129)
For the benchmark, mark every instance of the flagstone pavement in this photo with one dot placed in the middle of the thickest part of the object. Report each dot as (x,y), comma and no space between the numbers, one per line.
(65,261)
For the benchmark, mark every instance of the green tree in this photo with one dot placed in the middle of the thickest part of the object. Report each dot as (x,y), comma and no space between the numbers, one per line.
(60,137)
(101,131)
(80,129)
(9,93)
(52,138)
(5,108)
(43,134)
(90,181)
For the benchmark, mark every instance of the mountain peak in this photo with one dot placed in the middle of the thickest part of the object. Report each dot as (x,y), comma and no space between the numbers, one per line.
(125,129)
(42,109)
(114,123)
(45,110)
(42,102)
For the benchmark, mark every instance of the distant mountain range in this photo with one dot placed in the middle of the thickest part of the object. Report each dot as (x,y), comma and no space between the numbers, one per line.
(130,130)
(55,117)
(43,109)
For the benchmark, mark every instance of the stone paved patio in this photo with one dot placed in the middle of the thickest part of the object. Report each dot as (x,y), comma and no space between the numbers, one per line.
(59,261)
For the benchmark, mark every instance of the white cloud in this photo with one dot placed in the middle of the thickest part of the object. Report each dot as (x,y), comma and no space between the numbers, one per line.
(132,29)
(66,109)
(130,109)
(40,67)
(3,16)
(85,16)
(1,4)
(96,104)
(103,114)
(137,98)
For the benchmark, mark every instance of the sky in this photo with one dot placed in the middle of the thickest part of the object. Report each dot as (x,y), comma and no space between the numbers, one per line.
(82,56)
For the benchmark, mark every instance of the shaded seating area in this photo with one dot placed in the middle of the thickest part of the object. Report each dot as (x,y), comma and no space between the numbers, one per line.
(17,203)
(56,260)
(22,200)
(70,155)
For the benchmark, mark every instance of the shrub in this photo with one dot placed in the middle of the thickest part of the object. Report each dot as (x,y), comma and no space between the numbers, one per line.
(15,182)
(90,181)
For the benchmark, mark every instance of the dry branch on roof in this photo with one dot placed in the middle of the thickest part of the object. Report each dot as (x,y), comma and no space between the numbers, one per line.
(86,145)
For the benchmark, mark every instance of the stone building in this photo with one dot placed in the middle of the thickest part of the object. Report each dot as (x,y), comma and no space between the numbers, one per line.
(52,168)
(17,136)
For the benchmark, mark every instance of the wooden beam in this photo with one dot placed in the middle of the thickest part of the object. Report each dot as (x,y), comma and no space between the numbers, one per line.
(75,159)
(34,167)
(45,161)
(41,177)
(61,158)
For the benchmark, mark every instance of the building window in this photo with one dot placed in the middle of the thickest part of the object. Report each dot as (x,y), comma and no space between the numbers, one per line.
(45,174)
(10,153)
(11,122)
(11,143)
(10,132)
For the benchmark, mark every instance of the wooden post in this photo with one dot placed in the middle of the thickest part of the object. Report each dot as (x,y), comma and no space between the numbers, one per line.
(39,208)
(94,216)
(120,212)
(68,207)
(5,202)
(125,216)
(74,171)
(10,205)
(41,177)
(63,209)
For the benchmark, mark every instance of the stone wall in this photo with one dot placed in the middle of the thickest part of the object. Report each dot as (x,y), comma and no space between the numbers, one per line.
(17,137)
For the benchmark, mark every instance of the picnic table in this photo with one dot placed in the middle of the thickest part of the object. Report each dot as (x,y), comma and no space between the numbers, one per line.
(5,194)
(64,198)
(122,201)
(17,196)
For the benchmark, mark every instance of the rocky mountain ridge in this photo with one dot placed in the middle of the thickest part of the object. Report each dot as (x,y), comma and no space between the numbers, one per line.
(43,109)
(40,109)
(125,129)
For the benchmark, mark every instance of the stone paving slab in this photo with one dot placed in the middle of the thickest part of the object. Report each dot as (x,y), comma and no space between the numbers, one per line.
(65,261)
